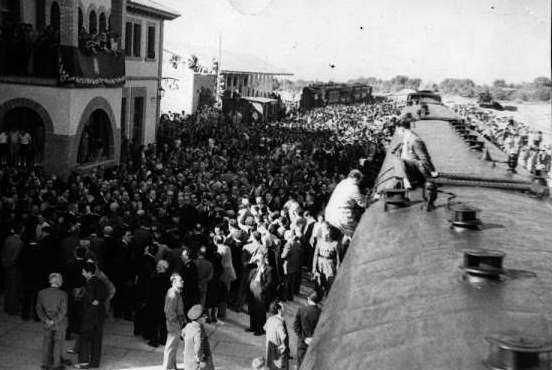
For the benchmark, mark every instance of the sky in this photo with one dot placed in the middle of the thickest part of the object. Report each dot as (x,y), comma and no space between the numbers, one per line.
(482,40)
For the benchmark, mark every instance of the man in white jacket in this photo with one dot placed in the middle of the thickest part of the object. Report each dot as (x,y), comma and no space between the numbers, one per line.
(345,203)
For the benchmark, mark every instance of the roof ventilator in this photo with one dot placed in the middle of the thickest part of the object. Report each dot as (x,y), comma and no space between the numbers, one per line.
(483,264)
(518,352)
(465,217)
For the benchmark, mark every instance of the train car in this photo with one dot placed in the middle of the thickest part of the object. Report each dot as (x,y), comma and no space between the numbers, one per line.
(320,95)
(456,277)
(423,96)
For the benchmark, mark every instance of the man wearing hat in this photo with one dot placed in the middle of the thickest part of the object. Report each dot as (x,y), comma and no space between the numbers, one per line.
(413,163)
(51,307)
(197,352)
(305,322)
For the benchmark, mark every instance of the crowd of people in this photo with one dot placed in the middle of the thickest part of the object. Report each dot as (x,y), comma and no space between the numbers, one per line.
(96,41)
(512,137)
(17,148)
(223,214)
(22,47)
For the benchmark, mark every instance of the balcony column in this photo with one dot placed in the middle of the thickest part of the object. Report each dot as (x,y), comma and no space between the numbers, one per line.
(68,23)
(118,16)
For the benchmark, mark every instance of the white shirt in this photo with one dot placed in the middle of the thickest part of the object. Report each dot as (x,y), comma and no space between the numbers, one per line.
(339,211)
(3,138)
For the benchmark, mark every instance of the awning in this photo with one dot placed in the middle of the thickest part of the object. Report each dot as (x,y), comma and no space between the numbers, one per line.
(258,107)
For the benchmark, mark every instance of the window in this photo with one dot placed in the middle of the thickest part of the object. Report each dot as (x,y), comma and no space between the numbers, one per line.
(151,43)
(128,39)
(80,19)
(92,22)
(245,78)
(54,16)
(136,40)
(103,24)
(133,39)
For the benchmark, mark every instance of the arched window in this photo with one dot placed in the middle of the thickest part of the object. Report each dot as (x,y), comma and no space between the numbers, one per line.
(40,13)
(54,15)
(92,22)
(103,24)
(81,19)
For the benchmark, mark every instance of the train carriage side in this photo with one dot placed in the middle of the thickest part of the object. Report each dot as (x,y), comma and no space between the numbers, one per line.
(401,299)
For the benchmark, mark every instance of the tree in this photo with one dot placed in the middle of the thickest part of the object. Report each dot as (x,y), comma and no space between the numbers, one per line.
(542,82)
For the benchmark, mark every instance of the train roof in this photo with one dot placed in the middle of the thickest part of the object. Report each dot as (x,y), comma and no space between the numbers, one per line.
(400,300)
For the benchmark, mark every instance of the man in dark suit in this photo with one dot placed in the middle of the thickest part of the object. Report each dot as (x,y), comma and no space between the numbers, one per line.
(413,162)
(10,254)
(261,293)
(74,286)
(93,317)
(190,293)
(291,255)
(145,271)
(121,272)
(305,322)
(51,307)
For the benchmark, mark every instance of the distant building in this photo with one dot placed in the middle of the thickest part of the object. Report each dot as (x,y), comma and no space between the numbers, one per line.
(253,81)
(80,93)
(185,88)
(185,85)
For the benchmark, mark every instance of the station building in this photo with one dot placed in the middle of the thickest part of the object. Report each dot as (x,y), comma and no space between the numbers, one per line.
(81,76)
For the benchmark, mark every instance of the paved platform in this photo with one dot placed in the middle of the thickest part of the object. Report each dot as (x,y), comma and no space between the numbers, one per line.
(233,348)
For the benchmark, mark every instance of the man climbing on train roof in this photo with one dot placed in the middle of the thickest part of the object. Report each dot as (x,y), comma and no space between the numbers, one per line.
(413,163)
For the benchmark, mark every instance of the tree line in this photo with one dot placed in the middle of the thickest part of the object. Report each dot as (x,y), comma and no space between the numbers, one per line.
(537,90)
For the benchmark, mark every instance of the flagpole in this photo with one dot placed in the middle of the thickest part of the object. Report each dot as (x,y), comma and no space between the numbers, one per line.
(219,67)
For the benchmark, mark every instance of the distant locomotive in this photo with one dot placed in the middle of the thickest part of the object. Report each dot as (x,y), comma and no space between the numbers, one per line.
(320,95)
(465,286)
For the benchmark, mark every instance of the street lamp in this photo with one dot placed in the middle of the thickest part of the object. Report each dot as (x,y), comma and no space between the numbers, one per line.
(160,92)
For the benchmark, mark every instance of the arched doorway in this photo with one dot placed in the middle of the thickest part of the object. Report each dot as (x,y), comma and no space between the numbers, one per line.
(54,16)
(96,141)
(103,25)
(92,22)
(26,128)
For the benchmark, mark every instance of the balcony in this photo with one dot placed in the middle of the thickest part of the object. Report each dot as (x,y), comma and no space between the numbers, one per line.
(61,65)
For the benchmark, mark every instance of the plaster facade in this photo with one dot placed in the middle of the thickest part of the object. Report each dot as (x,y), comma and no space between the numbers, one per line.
(182,90)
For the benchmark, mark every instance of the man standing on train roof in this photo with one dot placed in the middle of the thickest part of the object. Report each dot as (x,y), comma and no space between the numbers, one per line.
(413,163)
(346,205)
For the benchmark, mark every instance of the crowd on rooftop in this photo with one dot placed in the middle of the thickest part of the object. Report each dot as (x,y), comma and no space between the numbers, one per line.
(235,209)
(511,136)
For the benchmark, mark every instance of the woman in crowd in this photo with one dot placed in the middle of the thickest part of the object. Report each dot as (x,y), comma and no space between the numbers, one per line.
(326,259)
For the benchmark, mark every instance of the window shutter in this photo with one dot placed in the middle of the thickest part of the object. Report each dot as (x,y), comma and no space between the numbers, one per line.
(137,40)
(128,39)
(151,42)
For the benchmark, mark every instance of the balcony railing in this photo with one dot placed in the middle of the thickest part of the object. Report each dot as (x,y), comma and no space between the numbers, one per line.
(19,59)
(64,65)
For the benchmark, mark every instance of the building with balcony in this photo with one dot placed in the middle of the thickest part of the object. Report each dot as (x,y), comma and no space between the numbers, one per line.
(81,76)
